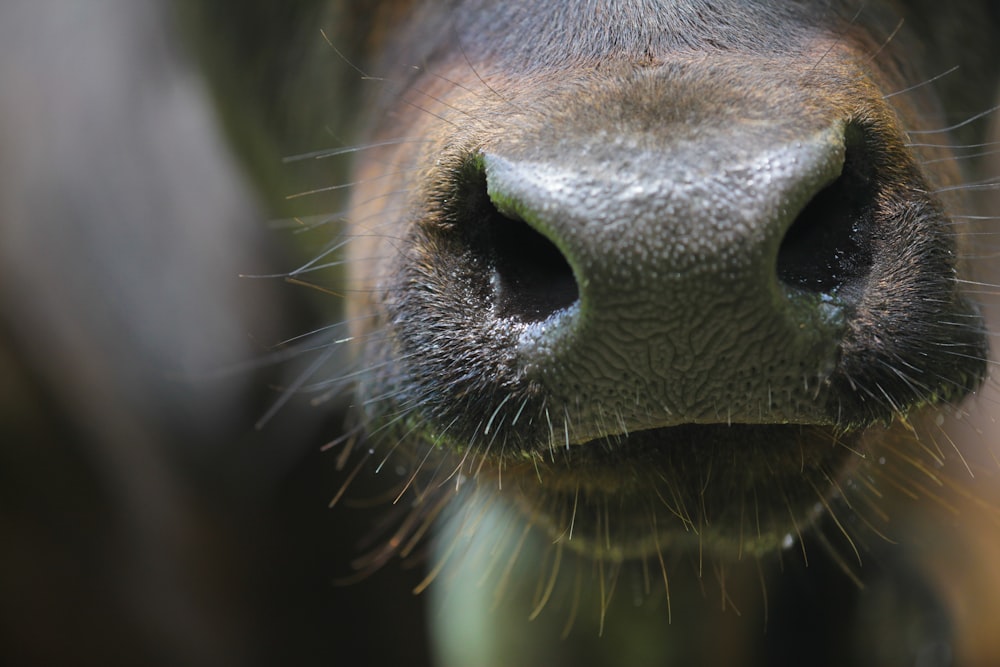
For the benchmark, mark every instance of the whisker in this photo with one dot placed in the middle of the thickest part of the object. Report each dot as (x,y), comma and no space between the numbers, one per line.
(959,158)
(957,147)
(324,153)
(921,84)
(885,43)
(345,186)
(951,128)
(841,35)
(350,478)
(287,394)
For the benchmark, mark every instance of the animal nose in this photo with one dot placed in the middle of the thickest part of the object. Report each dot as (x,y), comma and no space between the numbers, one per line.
(704,279)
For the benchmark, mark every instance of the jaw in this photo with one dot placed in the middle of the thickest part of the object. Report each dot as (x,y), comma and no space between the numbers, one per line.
(726,490)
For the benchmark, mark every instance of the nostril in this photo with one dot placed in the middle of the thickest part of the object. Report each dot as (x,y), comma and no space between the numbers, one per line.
(829,246)
(530,277)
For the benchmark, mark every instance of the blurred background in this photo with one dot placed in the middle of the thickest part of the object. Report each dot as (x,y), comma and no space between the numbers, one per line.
(143,519)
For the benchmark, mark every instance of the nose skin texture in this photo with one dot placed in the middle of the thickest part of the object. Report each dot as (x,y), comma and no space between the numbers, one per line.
(674,249)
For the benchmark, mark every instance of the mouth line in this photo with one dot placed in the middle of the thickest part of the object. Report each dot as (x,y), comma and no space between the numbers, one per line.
(713,432)
(726,456)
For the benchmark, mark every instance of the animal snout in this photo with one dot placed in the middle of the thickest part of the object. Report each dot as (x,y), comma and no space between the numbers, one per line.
(647,278)
(657,269)
(723,267)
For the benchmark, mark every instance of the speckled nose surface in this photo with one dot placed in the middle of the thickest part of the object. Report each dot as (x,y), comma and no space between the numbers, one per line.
(704,259)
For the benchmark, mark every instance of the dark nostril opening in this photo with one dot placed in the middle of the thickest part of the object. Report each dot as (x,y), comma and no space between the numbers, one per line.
(531,278)
(829,246)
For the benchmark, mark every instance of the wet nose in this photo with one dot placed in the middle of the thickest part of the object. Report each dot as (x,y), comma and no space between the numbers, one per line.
(702,279)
